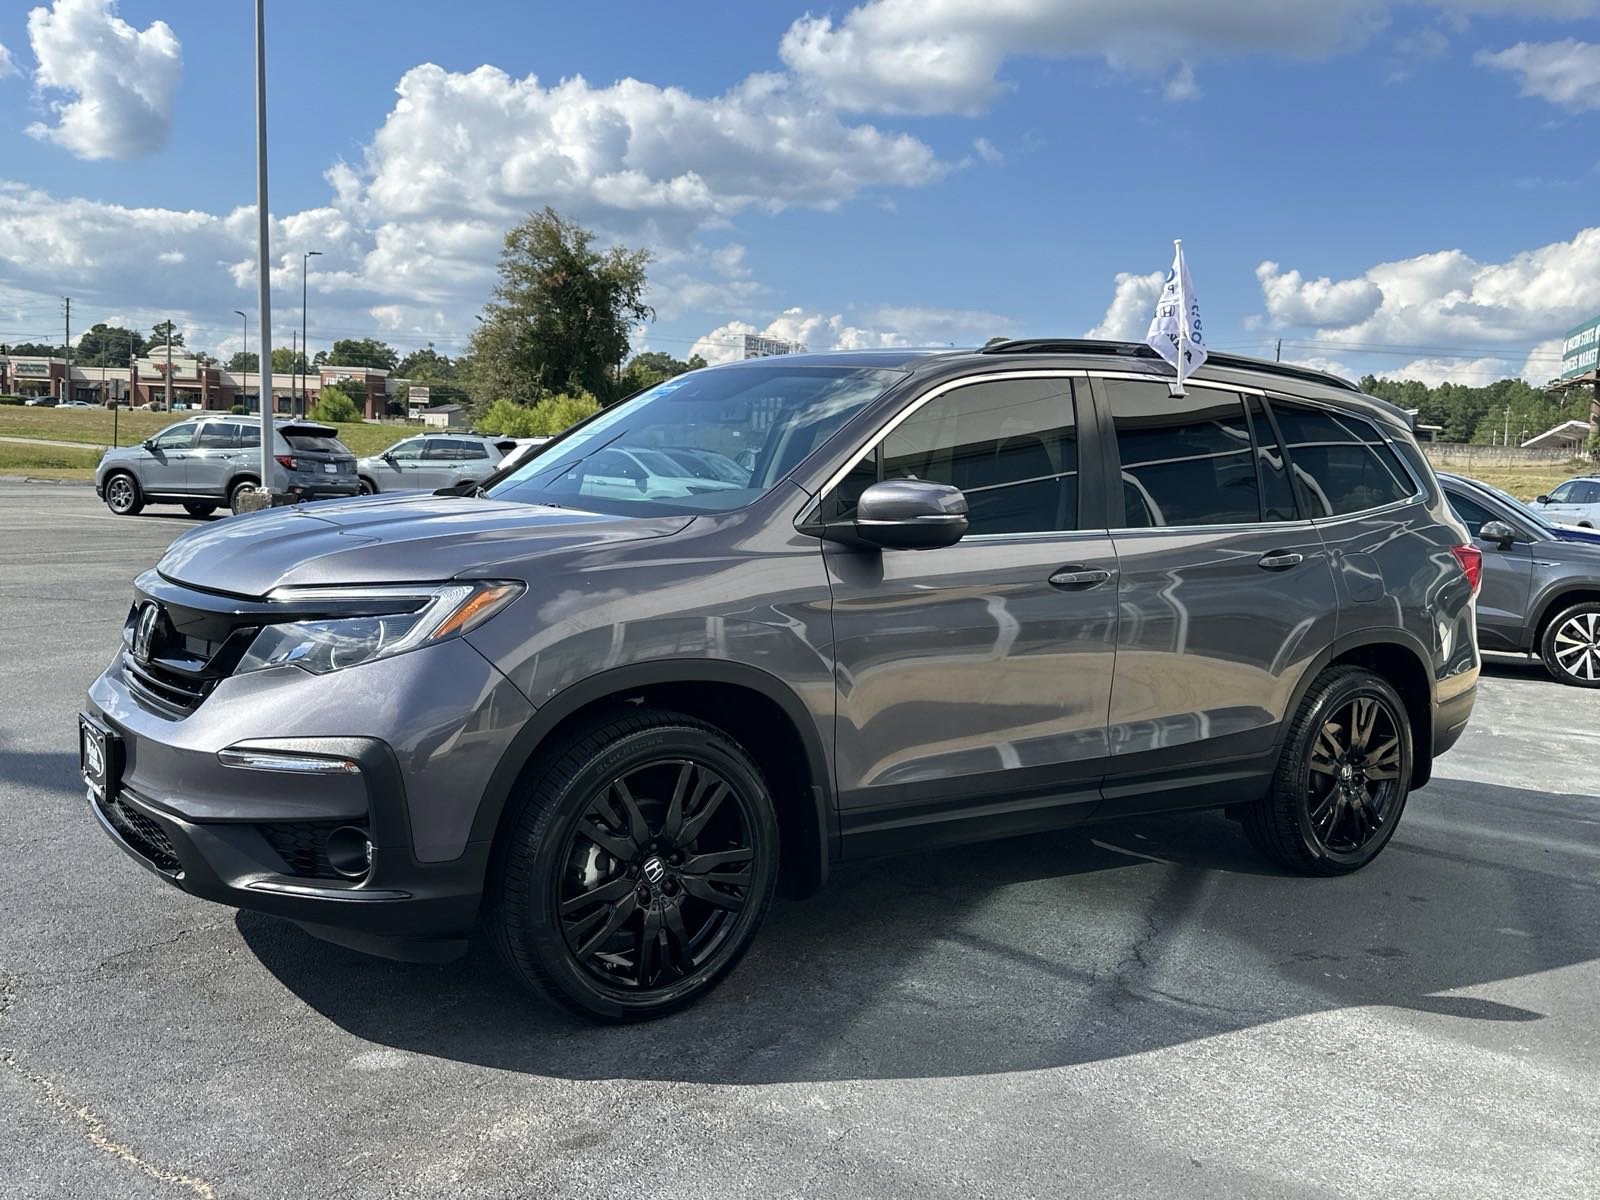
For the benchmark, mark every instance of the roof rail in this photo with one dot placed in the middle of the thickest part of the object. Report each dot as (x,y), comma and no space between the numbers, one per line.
(1140,350)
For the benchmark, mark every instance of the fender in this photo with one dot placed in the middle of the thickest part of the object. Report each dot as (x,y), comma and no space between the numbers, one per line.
(1422,754)
(622,680)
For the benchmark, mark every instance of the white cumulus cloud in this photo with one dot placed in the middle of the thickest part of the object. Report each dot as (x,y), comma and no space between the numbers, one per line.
(1293,300)
(1566,73)
(1133,303)
(7,65)
(945,56)
(121,80)
(1475,372)
(879,328)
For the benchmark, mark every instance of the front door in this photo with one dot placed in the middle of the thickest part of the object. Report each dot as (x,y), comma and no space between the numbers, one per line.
(973,680)
(402,468)
(164,469)
(1225,596)
(1574,502)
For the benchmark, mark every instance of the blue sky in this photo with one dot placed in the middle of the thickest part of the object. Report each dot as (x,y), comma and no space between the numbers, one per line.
(1403,188)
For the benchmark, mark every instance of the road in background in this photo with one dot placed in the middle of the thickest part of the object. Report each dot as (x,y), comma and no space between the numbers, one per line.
(1140,1009)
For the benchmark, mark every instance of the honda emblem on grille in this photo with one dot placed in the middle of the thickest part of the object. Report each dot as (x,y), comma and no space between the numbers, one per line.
(144,630)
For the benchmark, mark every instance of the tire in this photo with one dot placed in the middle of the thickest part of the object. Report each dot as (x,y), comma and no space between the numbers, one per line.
(199,508)
(234,489)
(1570,645)
(597,902)
(1336,799)
(367,487)
(123,494)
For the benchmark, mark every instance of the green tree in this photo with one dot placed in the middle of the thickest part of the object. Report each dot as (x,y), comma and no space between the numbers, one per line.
(360,352)
(440,374)
(653,367)
(335,406)
(286,360)
(244,361)
(36,350)
(549,416)
(561,313)
(163,333)
(105,345)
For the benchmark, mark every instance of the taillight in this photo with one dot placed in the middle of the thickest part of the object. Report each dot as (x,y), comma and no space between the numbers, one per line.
(286,461)
(1471,560)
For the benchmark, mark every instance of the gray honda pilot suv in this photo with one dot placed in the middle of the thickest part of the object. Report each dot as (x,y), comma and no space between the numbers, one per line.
(603,714)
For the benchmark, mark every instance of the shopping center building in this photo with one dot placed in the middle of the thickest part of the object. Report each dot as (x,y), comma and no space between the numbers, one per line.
(198,385)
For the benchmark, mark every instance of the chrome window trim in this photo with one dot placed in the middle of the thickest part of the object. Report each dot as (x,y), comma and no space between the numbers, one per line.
(871,442)
(1242,389)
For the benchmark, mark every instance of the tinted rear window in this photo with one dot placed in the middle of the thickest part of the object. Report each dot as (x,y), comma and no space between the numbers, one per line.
(1186,460)
(1341,461)
(315,444)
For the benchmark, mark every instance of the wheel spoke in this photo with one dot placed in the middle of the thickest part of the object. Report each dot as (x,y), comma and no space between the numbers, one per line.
(1364,716)
(618,847)
(695,825)
(617,918)
(701,864)
(680,954)
(673,825)
(701,889)
(637,829)
(648,956)
(604,894)
(1325,751)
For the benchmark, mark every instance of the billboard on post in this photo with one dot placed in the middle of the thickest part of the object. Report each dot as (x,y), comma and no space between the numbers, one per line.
(1579,347)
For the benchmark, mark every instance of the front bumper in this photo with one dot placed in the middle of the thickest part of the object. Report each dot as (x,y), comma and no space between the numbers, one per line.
(401,908)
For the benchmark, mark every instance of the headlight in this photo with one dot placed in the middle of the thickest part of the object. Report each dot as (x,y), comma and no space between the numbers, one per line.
(381,621)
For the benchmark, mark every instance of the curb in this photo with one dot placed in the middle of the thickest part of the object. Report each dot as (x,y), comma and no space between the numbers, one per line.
(89,483)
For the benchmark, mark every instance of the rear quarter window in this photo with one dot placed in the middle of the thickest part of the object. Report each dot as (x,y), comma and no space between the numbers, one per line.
(1341,462)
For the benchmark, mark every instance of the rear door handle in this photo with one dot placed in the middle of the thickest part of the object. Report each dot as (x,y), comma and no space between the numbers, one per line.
(1279,559)
(1079,577)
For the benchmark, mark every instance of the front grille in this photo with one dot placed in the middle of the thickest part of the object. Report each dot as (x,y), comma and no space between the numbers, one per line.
(303,846)
(143,834)
(187,654)
(169,691)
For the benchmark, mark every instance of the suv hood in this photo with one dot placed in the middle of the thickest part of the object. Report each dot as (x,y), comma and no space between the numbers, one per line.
(381,539)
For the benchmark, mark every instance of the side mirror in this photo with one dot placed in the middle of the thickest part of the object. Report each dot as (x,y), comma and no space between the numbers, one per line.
(1542,499)
(387,457)
(910,514)
(1499,533)
(149,443)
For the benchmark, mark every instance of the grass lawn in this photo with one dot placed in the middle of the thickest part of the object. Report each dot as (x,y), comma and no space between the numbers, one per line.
(92,427)
(47,462)
(1534,480)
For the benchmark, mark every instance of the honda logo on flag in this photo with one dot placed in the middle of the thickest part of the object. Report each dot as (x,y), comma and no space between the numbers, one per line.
(1175,331)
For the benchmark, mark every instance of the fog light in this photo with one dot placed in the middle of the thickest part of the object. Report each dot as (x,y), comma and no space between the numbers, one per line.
(349,852)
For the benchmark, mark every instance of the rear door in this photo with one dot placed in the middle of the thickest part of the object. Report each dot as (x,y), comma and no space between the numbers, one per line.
(214,458)
(441,463)
(164,468)
(1225,594)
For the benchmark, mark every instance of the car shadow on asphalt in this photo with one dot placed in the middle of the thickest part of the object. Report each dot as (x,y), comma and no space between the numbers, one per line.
(1038,952)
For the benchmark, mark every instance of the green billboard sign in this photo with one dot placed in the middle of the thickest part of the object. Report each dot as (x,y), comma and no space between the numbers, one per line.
(1579,349)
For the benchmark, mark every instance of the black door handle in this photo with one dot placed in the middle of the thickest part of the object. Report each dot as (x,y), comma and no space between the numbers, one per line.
(1079,577)
(1279,560)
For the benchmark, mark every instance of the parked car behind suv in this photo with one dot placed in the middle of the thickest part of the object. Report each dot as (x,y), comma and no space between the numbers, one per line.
(209,461)
(1541,583)
(1575,502)
(960,595)
(433,461)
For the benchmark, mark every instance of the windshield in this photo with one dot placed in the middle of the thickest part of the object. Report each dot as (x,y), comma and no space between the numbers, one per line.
(1534,517)
(709,441)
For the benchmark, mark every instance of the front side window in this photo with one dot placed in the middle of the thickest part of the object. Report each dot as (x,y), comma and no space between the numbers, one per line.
(1186,460)
(407,451)
(176,438)
(767,414)
(1341,461)
(1471,514)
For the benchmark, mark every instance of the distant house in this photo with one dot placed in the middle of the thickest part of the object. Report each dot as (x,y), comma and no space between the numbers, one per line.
(445,416)
(1569,436)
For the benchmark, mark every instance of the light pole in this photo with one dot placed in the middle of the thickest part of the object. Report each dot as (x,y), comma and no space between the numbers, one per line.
(304,259)
(245,386)
(263,248)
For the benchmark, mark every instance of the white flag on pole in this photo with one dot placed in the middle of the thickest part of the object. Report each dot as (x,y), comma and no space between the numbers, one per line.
(1175,330)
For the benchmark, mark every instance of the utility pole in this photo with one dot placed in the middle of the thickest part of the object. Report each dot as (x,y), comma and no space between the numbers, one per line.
(304,259)
(169,364)
(1277,354)
(66,384)
(264,260)
(1506,440)
(244,385)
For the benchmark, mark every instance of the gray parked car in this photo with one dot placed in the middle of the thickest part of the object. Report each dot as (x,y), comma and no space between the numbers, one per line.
(959,595)
(432,461)
(208,461)
(1541,583)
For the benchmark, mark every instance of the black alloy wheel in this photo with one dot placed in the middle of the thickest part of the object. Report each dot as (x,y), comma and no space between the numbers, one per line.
(122,495)
(639,869)
(197,508)
(1343,777)
(367,487)
(1570,645)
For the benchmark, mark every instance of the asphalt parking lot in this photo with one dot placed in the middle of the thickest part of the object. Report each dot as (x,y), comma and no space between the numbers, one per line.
(1142,1009)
